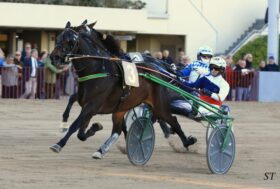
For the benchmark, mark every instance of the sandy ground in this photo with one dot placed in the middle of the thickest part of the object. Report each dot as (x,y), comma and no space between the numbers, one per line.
(29,127)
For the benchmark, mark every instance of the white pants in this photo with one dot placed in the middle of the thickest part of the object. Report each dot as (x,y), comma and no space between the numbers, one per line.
(30,88)
(183,104)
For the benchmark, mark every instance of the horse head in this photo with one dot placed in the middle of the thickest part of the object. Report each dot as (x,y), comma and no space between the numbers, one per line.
(66,43)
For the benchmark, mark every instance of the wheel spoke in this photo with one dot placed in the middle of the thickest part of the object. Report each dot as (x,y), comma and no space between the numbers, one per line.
(147,138)
(132,154)
(228,153)
(143,151)
(214,153)
(135,135)
(217,140)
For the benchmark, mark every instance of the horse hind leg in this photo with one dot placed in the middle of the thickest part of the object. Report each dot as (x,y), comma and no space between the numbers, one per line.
(172,121)
(116,131)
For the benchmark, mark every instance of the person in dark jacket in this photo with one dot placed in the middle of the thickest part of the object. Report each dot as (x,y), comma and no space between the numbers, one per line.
(272,66)
(166,58)
(244,79)
(262,66)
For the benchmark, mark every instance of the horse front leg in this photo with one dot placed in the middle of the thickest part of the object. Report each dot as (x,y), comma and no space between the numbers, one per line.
(82,135)
(86,114)
(64,126)
(187,141)
(116,131)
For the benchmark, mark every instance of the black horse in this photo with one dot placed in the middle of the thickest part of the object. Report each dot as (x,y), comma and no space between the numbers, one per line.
(113,48)
(103,95)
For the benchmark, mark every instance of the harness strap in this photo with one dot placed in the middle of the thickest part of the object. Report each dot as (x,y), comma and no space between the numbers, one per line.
(93,76)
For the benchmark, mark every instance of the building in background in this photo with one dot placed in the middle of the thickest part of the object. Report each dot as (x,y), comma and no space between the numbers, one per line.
(162,24)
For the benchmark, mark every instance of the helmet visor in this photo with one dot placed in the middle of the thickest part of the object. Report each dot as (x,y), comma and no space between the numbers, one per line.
(206,56)
(214,67)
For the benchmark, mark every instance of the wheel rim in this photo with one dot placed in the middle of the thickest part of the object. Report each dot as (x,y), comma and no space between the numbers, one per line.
(219,162)
(140,141)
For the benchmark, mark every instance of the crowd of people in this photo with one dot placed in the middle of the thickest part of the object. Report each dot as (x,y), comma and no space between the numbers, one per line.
(30,74)
(239,75)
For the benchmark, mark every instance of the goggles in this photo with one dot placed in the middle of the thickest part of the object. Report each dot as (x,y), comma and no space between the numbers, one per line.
(206,56)
(214,67)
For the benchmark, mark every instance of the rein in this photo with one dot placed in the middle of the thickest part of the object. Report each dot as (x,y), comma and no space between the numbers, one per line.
(100,75)
(78,56)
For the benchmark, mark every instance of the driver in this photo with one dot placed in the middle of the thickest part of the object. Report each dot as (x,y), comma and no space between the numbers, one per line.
(192,72)
(200,67)
(213,87)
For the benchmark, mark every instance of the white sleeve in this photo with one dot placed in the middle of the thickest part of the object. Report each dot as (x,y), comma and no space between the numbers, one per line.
(224,90)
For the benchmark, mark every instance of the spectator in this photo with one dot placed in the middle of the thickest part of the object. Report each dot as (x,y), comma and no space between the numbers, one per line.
(2,61)
(158,55)
(17,59)
(229,74)
(10,79)
(18,62)
(244,77)
(2,57)
(51,76)
(30,75)
(180,59)
(249,61)
(147,52)
(184,62)
(262,66)
(40,76)
(27,51)
(271,66)
(166,58)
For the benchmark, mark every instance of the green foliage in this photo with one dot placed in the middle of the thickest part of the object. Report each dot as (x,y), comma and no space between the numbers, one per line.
(258,48)
(127,4)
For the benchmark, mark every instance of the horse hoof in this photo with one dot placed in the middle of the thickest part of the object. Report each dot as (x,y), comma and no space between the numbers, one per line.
(97,155)
(96,127)
(55,148)
(63,127)
(191,141)
(82,137)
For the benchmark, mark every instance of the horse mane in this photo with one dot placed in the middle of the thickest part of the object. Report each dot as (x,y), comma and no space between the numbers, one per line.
(112,45)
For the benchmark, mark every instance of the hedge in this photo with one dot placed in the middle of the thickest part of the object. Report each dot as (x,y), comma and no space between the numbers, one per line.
(258,48)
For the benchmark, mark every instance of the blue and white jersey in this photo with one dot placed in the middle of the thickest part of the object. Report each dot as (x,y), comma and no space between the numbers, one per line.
(217,85)
(195,70)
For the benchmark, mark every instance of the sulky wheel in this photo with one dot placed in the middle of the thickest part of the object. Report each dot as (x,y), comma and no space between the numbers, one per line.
(208,132)
(135,112)
(210,129)
(219,161)
(140,141)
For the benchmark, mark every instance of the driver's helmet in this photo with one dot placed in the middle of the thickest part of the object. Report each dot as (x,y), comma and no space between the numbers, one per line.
(205,54)
(218,63)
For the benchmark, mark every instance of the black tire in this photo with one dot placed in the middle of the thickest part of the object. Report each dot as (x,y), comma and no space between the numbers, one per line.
(220,162)
(140,141)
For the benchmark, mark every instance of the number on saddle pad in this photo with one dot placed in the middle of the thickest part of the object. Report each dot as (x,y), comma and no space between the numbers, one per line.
(131,77)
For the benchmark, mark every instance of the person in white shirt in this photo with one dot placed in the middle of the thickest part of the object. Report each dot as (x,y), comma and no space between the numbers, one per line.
(31,66)
(213,87)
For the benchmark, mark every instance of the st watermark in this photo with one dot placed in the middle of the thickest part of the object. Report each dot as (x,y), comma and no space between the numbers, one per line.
(269,176)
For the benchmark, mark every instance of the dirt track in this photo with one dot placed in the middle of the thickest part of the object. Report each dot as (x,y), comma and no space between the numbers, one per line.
(29,127)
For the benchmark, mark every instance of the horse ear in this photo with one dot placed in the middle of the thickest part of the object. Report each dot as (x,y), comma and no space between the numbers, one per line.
(68,25)
(84,22)
(92,24)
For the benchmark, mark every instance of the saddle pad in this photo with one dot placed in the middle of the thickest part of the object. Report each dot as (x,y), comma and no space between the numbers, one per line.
(131,77)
